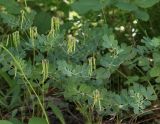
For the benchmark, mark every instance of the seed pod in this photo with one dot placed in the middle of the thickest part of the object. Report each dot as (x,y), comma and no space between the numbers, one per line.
(71,44)
(45,69)
(92,65)
(33,33)
(97,99)
(55,24)
(7,40)
(22,18)
(16,38)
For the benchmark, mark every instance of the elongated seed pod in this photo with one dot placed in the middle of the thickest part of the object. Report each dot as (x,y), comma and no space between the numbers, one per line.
(16,38)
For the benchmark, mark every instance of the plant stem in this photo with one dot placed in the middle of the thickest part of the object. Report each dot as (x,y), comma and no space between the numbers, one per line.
(27,82)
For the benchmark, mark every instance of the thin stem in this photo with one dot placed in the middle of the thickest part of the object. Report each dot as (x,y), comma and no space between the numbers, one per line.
(147,80)
(10,82)
(125,76)
(27,82)
(25,2)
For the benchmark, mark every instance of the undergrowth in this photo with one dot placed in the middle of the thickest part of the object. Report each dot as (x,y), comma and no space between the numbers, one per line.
(101,57)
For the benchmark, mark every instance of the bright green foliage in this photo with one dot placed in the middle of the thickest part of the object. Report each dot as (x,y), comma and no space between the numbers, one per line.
(13,7)
(95,58)
(57,112)
(84,6)
(142,15)
(124,5)
(36,120)
(5,122)
(140,97)
(145,3)
(15,121)
(109,42)
(131,6)
(155,71)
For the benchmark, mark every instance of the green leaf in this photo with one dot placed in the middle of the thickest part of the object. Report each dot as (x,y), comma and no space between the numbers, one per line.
(11,6)
(15,121)
(155,71)
(37,120)
(157,80)
(102,73)
(132,79)
(83,6)
(155,42)
(85,89)
(126,6)
(14,21)
(142,15)
(5,122)
(147,103)
(28,21)
(151,93)
(146,3)
(6,77)
(42,22)
(107,61)
(109,41)
(71,69)
(156,58)
(57,112)
(65,68)
(10,20)
(143,61)
(15,97)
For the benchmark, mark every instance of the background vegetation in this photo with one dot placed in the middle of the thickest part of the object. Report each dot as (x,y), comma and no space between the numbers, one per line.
(84,61)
